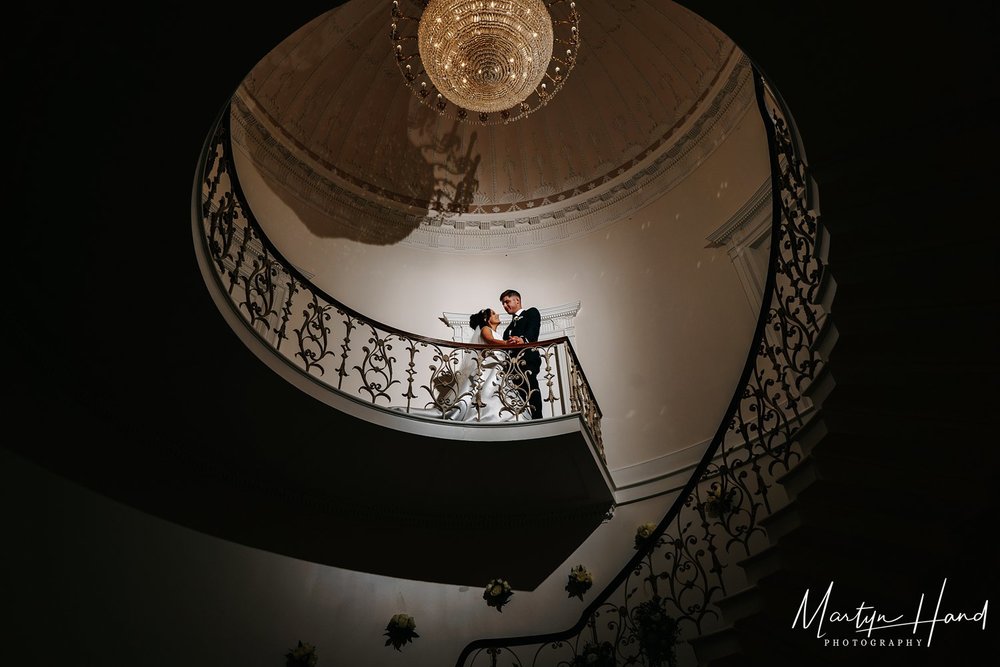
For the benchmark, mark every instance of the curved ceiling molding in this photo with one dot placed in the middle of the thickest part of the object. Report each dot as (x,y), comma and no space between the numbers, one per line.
(327,123)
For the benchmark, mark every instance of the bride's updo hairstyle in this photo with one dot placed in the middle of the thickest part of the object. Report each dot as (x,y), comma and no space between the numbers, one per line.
(480,319)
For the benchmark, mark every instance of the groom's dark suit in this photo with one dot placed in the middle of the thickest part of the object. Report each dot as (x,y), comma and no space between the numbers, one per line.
(527,325)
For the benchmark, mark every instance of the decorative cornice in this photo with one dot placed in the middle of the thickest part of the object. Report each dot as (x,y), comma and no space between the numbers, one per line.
(746,214)
(521,225)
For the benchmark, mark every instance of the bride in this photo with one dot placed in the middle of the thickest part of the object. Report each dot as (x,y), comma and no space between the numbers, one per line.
(486,388)
(479,385)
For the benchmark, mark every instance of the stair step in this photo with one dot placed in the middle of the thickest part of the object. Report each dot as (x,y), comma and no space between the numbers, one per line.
(811,432)
(868,471)
(812,556)
(768,561)
(713,647)
(871,515)
(821,249)
(731,647)
(827,338)
(740,604)
(761,635)
(821,386)
(827,292)
(799,478)
(766,640)
(864,479)
(781,522)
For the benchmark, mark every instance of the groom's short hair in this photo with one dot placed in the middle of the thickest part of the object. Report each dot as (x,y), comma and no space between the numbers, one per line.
(510,292)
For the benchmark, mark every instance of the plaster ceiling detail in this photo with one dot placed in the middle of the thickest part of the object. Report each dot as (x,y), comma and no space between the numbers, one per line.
(327,121)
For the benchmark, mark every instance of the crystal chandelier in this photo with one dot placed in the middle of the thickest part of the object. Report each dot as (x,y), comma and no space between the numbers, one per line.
(495,60)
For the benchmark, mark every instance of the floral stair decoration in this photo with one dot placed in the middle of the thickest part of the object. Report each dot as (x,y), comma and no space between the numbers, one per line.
(400,630)
(497,593)
(580,581)
(303,655)
(643,534)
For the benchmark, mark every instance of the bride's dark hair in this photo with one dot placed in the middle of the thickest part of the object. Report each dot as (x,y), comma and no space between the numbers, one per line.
(480,319)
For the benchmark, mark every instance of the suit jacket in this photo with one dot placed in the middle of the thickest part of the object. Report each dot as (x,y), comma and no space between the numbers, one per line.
(527,325)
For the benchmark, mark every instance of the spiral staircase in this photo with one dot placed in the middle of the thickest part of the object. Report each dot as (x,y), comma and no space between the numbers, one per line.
(892,495)
(879,506)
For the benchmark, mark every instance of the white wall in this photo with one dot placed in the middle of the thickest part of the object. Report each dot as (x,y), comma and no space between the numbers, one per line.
(663,331)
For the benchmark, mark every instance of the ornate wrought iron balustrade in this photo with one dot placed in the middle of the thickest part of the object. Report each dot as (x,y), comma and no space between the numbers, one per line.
(668,592)
(358,357)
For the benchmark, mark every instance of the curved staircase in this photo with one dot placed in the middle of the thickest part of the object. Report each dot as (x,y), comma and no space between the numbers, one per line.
(893,496)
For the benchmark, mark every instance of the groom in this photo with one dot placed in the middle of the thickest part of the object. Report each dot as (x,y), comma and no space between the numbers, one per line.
(523,328)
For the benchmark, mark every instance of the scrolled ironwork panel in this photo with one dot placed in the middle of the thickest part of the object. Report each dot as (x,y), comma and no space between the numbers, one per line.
(582,400)
(514,383)
(260,291)
(443,387)
(314,335)
(549,378)
(375,369)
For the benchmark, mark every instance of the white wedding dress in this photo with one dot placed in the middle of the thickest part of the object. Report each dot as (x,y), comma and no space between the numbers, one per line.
(497,397)
(474,386)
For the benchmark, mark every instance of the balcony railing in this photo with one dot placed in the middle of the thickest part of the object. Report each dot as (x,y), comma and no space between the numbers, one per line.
(357,357)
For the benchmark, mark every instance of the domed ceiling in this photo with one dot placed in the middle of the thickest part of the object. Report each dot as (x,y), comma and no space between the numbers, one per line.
(326,120)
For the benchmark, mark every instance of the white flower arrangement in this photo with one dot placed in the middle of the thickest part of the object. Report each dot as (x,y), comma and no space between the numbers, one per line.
(400,630)
(580,581)
(403,621)
(498,592)
(643,533)
(718,502)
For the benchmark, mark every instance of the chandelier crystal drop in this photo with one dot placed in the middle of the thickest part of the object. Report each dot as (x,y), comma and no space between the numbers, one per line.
(486,60)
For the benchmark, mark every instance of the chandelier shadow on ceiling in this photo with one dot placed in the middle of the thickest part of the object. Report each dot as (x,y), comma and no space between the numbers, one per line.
(491,60)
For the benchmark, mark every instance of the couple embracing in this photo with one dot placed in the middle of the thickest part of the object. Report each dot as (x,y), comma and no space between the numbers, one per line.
(498,383)
(515,374)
